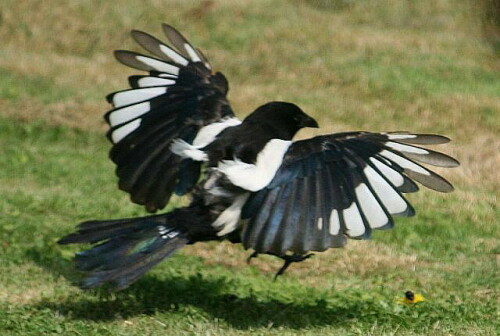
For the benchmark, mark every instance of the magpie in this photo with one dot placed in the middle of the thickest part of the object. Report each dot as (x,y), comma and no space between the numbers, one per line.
(174,132)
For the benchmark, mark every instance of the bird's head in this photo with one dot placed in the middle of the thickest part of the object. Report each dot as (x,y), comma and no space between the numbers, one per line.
(286,118)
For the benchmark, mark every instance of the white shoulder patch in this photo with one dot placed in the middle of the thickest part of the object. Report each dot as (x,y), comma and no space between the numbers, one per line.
(205,136)
(256,176)
(187,151)
(208,133)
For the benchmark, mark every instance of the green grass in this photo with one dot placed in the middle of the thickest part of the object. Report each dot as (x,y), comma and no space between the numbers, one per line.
(15,88)
(375,65)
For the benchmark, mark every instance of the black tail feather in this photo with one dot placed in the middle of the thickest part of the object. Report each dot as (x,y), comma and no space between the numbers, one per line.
(130,269)
(95,231)
(129,248)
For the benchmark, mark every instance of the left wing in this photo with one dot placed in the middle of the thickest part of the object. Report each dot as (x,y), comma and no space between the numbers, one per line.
(342,185)
(180,101)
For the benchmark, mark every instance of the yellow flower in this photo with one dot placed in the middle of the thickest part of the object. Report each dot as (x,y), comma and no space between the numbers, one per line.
(411,298)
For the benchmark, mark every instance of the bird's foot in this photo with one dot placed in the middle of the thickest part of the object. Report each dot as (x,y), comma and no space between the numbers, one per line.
(251,256)
(289,259)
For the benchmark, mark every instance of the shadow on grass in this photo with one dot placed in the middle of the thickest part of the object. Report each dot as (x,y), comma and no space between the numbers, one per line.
(191,295)
(187,296)
(52,261)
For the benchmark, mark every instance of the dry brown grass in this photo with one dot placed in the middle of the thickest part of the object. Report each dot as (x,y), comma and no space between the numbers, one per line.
(358,259)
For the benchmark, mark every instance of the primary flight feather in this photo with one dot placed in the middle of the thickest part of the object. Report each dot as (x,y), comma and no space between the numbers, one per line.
(174,131)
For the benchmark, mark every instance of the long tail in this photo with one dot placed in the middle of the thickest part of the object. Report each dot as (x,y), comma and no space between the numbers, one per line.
(127,248)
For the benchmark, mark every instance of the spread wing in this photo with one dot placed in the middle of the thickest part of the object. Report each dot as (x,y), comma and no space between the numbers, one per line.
(178,97)
(343,185)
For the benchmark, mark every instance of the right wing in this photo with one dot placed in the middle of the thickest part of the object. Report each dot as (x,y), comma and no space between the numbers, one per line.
(341,185)
(178,97)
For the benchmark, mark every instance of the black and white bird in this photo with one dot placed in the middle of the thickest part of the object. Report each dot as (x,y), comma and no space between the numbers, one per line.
(174,131)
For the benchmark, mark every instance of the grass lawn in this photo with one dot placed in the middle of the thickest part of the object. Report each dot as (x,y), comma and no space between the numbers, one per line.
(379,65)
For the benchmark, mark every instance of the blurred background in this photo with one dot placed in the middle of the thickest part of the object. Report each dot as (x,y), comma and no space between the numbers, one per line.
(425,66)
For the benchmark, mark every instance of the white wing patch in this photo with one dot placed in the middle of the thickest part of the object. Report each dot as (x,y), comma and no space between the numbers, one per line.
(173,55)
(164,75)
(320,223)
(158,65)
(334,222)
(389,173)
(154,81)
(121,132)
(128,113)
(392,201)
(400,136)
(353,221)
(129,97)
(254,177)
(192,53)
(228,220)
(404,163)
(374,214)
(406,148)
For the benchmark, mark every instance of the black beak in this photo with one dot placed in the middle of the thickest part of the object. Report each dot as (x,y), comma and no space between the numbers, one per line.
(310,122)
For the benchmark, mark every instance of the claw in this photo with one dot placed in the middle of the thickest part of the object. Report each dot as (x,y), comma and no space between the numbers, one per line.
(289,259)
(255,254)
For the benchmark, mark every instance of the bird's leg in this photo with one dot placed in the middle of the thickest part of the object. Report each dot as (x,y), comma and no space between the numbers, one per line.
(289,259)
(255,254)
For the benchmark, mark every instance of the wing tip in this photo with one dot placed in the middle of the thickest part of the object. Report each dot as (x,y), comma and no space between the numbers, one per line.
(121,55)
(453,163)
(138,35)
(448,188)
(170,31)
(165,26)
